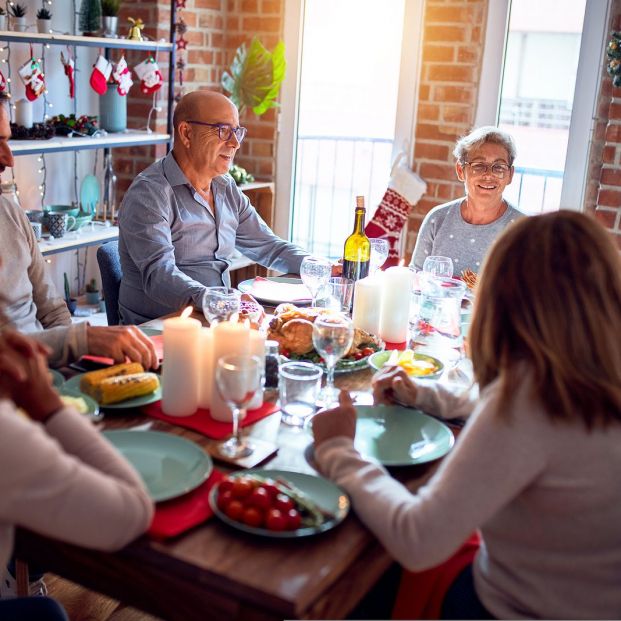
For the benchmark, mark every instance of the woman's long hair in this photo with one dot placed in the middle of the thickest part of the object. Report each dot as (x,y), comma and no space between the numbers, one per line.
(550,296)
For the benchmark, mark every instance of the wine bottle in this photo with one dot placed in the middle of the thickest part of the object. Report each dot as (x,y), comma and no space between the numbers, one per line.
(357,251)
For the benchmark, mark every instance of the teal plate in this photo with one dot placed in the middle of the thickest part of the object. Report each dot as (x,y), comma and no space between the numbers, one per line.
(151,331)
(380,358)
(169,465)
(57,378)
(74,385)
(92,406)
(325,494)
(246,287)
(342,366)
(89,194)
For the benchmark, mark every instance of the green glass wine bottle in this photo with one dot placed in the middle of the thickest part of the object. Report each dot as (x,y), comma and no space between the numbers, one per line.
(357,251)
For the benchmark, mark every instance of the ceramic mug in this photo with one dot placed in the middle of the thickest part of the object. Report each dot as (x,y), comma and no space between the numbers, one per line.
(58,223)
(37,228)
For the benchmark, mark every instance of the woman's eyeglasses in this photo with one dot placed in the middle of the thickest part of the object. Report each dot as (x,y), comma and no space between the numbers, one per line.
(224,131)
(479,168)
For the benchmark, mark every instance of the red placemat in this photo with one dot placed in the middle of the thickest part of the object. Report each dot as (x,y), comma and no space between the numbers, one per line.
(400,346)
(180,514)
(202,422)
(157,340)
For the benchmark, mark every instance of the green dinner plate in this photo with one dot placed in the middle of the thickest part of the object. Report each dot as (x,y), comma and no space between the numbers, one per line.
(136,402)
(89,194)
(57,378)
(328,497)
(151,331)
(93,407)
(342,366)
(246,287)
(380,358)
(169,465)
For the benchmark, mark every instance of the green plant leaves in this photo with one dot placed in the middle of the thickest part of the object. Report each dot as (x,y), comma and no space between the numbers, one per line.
(255,77)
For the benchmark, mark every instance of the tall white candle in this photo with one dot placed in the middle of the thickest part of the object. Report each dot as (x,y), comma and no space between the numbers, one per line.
(205,380)
(257,348)
(229,338)
(23,113)
(181,366)
(367,303)
(396,291)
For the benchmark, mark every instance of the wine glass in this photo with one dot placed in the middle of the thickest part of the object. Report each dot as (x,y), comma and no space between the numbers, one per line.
(332,338)
(219,303)
(315,273)
(438,266)
(379,253)
(238,379)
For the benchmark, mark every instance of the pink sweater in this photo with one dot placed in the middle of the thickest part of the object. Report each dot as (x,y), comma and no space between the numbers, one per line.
(65,481)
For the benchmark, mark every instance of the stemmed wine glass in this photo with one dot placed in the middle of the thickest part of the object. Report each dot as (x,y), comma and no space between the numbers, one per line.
(332,338)
(219,303)
(379,253)
(315,273)
(238,379)
(438,266)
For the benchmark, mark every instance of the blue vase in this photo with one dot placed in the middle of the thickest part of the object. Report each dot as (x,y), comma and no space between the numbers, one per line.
(113,110)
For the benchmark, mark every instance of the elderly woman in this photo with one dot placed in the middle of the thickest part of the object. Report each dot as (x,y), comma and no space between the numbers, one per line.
(464,229)
(538,465)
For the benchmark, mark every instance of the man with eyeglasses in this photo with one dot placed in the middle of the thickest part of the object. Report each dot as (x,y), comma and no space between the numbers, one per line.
(183,217)
(464,229)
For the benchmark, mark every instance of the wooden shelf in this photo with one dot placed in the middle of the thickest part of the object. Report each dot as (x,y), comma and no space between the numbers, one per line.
(62,39)
(86,236)
(65,143)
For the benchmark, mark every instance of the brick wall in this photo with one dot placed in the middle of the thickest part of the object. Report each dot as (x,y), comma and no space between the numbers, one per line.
(453,38)
(215,29)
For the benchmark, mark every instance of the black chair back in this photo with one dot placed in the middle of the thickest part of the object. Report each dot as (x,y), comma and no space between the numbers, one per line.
(111,274)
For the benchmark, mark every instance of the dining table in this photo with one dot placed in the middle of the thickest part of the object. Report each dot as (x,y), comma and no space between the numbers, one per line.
(215,572)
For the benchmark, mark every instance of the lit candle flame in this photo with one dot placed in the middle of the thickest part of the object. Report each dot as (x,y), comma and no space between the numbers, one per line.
(186,312)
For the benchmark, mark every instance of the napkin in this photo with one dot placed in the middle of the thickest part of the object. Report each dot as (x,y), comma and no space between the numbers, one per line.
(202,422)
(180,514)
(264,289)
(158,343)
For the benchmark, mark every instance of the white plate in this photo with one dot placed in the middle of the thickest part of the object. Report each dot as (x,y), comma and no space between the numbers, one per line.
(246,287)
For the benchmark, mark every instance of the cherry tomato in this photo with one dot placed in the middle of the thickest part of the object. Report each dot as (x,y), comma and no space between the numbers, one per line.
(283,503)
(271,489)
(285,352)
(368,351)
(225,485)
(241,488)
(253,517)
(358,355)
(294,519)
(259,499)
(321,361)
(234,510)
(275,520)
(223,499)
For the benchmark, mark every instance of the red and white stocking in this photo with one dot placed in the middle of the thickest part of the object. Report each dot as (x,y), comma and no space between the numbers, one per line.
(3,83)
(101,72)
(69,66)
(122,76)
(33,78)
(150,76)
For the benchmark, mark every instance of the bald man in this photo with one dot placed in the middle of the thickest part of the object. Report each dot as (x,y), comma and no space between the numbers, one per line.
(183,217)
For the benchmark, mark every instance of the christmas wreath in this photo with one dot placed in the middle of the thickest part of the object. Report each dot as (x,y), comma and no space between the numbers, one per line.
(614,54)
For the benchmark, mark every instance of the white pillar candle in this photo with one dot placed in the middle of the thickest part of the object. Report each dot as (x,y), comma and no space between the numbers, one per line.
(23,113)
(396,291)
(181,366)
(367,303)
(205,380)
(257,348)
(229,338)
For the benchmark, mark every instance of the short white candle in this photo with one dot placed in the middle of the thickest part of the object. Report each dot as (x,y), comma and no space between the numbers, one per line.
(257,348)
(23,113)
(181,366)
(367,303)
(205,380)
(396,292)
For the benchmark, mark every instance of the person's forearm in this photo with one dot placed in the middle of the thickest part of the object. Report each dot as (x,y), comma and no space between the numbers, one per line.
(67,343)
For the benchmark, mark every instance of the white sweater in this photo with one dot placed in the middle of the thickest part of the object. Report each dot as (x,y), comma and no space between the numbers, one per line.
(545,495)
(66,481)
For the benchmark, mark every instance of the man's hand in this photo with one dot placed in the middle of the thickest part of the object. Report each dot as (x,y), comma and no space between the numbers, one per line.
(339,421)
(121,342)
(391,385)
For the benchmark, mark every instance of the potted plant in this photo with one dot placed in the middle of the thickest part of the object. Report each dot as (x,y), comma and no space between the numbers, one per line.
(90,17)
(92,292)
(72,303)
(2,19)
(18,17)
(110,11)
(44,21)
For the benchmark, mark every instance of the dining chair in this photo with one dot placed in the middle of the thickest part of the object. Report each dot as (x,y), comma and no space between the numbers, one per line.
(111,274)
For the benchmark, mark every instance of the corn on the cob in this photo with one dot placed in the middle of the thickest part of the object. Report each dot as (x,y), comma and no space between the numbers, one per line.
(122,387)
(91,379)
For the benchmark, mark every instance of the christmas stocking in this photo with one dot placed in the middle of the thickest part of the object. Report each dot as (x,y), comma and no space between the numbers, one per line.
(3,83)
(405,189)
(101,72)
(122,76)
(69,66)
(150,76)
(30,73)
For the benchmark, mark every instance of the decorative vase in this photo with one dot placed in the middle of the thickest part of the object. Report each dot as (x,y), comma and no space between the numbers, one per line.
(92,297)
(2,22)
(72,304)
(109,188)
(113,110)
(19,24)
(44,26)
(110,24)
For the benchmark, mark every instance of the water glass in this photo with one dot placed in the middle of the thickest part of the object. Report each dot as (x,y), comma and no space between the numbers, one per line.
(315,273)
(438,266)
(299,384)
(379,253)
(337,294)
(219,303)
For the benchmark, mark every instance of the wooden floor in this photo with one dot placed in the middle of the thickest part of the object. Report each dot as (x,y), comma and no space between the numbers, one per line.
(84,605)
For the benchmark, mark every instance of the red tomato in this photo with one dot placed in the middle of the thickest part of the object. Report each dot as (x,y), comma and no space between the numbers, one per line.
(259,499)
(271,489)
(253,517)
(285,352)
(294,519)
(368,351)
(234,510)
(283,503)
(241,488)
(358,355)
(223,499)
(275,520)
(225,485)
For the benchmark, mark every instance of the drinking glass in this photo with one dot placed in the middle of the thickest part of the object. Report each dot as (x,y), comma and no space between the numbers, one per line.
(315,273)
(379,253)
(299,384)
(219,303)
(438,266)
(238,379)
(337,294)
(332,338)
